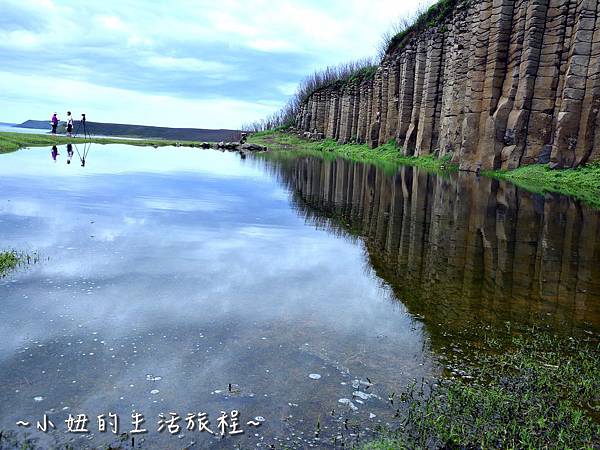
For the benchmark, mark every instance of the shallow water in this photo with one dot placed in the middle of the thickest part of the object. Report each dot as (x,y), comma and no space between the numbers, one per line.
(460,249)
(169,274)
(16,129)
(194,267)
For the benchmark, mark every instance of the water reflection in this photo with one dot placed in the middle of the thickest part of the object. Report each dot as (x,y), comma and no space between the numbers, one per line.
(462,252)
(174,273)
(82,149)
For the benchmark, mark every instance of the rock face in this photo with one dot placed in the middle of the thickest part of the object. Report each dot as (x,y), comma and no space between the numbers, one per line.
(496,84)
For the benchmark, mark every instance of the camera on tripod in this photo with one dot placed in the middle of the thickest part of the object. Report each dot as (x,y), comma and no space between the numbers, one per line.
(86,133)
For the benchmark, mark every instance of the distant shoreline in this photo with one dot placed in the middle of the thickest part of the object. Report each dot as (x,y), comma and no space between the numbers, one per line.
(113,130)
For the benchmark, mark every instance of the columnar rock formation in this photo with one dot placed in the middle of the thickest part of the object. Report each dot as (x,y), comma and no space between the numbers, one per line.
(460,249)
(495,84)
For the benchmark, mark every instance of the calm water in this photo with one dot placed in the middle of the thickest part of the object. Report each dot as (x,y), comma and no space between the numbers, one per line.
(195,267)
(459,250)
(169,274)
(15,129)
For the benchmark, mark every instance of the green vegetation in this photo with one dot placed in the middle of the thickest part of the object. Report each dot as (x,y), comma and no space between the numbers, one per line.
(541,391)
(366,73)
(429,18)
(387,155)
(582,183)
(10,142)
(10,260)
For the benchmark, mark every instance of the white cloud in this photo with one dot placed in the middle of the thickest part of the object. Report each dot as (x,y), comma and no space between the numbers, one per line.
(287,88)
(21,40)
(112,23)
(103,104)
(179,47)
(270,45)
(187,64)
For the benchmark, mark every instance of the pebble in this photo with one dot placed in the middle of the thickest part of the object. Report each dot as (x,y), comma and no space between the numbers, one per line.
(361,395)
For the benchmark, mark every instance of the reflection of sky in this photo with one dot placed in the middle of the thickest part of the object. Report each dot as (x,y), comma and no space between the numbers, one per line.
(151,249)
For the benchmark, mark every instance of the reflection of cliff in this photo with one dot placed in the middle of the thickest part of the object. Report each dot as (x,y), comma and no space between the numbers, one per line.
(461,249)
(496,83)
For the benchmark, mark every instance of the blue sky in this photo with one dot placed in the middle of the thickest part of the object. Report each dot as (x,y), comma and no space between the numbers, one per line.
(202,64)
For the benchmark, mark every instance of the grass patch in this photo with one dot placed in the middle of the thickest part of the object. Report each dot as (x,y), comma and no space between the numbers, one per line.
(10,142)
(387,155)
(10,260)
(435,15)
(543,391)
(582,183)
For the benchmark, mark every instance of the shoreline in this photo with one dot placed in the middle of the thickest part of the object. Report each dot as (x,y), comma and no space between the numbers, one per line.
(11,142)
(386,155)
(582,183)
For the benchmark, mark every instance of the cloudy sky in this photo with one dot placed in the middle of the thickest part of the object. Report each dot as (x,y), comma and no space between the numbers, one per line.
(202,64)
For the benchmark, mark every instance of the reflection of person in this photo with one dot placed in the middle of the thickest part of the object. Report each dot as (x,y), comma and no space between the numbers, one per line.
(69,153)
(54,123)
(69,124)
(54,152)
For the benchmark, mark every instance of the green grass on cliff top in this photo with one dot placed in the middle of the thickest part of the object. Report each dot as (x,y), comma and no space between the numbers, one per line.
(429,18)
(386,156)
(10,142)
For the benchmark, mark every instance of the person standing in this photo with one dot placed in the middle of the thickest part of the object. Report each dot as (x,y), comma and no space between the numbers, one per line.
(69,124)
(54,123)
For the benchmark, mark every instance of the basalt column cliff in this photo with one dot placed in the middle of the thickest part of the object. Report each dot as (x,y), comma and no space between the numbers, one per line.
(495,84)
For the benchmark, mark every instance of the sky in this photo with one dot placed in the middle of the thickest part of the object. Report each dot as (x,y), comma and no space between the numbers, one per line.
(178,63)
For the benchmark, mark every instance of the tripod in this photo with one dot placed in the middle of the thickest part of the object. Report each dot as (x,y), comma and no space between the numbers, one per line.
(87,136)
(86,133)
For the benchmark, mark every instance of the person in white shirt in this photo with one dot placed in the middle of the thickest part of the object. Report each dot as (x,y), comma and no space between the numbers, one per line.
(69,124)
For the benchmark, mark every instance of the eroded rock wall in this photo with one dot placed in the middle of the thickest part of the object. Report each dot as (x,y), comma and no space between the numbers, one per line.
(496,84)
